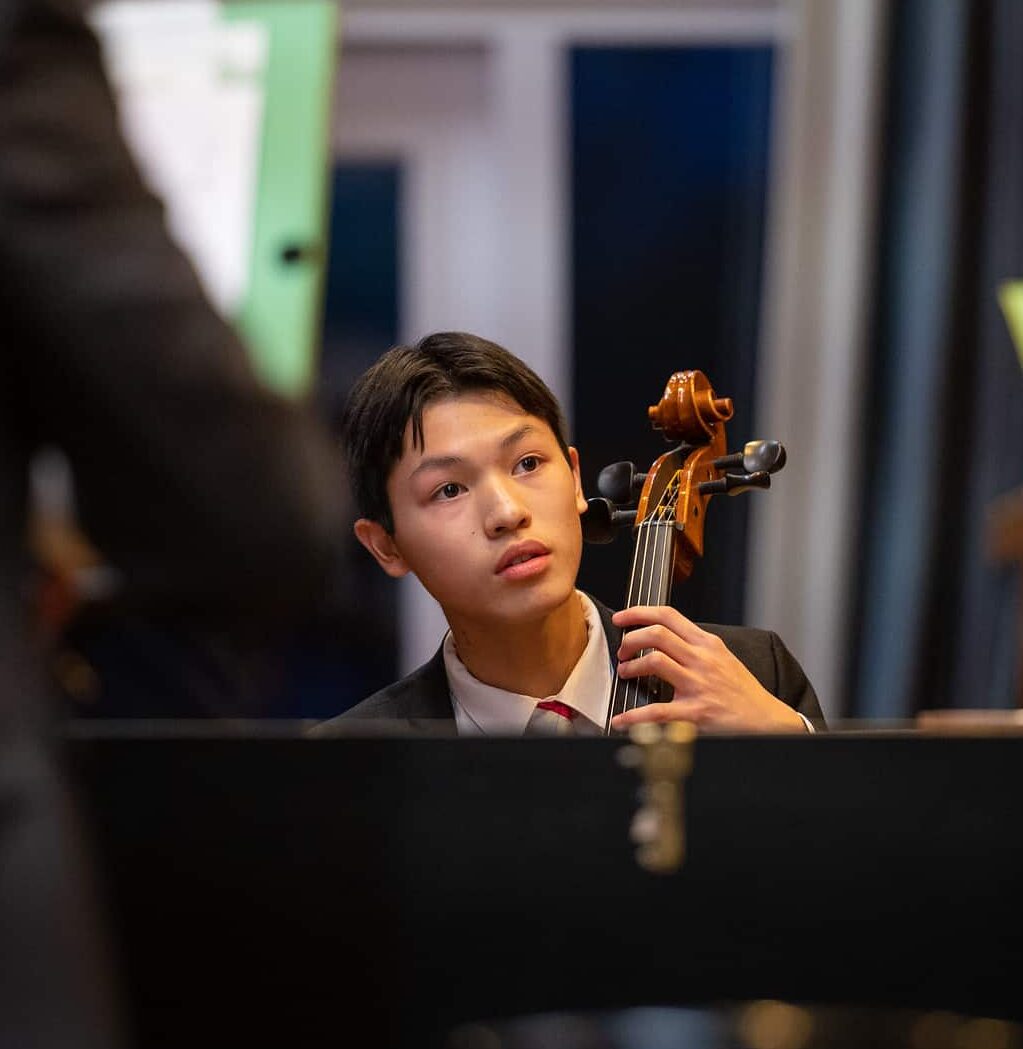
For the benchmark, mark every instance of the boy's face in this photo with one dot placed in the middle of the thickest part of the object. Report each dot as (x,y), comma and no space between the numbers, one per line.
(486,513)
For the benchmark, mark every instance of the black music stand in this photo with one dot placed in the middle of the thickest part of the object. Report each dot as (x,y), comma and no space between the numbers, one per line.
(274,890)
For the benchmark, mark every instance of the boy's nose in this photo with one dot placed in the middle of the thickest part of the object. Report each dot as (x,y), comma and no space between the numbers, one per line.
(506,513)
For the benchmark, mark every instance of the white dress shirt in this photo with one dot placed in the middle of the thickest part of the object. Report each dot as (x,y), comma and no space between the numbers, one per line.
(483,710)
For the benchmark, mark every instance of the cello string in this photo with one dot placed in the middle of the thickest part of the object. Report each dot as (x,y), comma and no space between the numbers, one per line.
(635,597)
(668,536)
(652,530)
(613,705)
(635,589)
(640,687)
(635,582)
(650,586)
(646,589)
(661,582)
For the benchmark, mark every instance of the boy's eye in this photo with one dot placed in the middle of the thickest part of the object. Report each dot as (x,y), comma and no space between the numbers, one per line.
(448,491)
(529,463)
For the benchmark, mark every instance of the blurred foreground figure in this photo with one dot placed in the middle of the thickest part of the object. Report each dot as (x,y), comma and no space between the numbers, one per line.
(208,496)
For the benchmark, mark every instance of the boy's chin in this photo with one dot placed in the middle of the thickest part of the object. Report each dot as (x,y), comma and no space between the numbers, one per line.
(532,605)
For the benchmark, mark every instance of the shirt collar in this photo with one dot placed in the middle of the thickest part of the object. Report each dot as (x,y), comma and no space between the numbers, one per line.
(482,709)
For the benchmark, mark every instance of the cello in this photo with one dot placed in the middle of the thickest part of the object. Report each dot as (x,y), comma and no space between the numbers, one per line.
(670,503)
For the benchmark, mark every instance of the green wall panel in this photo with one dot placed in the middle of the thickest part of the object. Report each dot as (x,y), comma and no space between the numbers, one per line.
(280,316)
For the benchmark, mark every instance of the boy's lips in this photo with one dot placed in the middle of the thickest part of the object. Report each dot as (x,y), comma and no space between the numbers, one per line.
(518,560)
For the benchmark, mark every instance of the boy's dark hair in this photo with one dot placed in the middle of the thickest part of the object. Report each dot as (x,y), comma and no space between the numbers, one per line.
(404,381)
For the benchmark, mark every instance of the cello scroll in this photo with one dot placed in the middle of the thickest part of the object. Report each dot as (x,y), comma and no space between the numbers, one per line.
(680,483)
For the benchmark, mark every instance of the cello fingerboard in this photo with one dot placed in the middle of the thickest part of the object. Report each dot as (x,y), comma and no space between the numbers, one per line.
(649,584)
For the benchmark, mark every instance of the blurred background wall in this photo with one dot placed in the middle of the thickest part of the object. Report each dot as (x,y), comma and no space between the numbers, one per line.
(617,192)
(814,201)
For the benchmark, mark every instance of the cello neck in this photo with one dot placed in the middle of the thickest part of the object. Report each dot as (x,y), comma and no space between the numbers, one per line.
(649,584)
(653,563)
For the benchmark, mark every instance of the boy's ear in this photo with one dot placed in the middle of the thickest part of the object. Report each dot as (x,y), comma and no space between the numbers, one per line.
(580,499)
(380,543)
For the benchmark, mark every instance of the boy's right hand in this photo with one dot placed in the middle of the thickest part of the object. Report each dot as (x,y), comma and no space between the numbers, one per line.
(713,689)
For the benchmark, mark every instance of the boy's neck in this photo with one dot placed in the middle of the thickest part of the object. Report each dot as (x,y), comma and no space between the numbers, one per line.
(530,659)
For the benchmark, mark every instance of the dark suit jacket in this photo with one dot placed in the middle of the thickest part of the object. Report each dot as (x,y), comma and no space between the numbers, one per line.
(208,495)
(423,699)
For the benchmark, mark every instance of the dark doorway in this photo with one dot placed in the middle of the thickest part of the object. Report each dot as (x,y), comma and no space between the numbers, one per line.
(669,175)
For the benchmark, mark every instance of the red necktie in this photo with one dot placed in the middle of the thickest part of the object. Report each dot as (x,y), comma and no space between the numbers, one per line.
(561,709)
(550,717)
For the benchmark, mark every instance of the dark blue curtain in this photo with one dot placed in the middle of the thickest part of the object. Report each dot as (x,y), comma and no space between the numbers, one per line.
(936,619)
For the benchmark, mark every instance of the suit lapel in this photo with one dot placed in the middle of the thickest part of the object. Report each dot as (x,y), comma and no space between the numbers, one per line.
(611,632)
(428,699)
